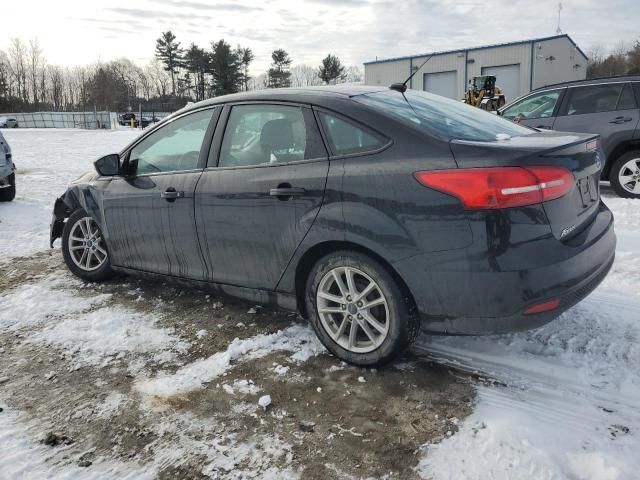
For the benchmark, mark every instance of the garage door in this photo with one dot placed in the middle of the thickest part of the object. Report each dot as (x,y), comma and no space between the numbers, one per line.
(507,78)
(442,83)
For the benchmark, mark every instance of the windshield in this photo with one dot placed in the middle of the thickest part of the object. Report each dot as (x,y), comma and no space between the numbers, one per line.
(443,117)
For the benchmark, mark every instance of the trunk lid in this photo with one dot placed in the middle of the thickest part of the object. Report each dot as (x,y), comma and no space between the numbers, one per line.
(578,153)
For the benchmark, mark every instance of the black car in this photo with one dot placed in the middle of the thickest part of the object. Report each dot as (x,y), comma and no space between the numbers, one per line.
(606,106)
(369,211)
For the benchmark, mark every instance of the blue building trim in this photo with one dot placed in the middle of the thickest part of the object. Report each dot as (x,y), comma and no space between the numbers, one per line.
(485,47)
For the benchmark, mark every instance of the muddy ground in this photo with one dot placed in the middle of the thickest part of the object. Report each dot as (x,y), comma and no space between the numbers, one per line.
(326,420)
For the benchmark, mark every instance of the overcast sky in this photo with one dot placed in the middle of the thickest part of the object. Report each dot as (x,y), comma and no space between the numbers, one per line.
(75,32)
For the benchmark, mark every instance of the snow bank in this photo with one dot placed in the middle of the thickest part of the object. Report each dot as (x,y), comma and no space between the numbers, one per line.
(32,304)
(297,338)
(106,332)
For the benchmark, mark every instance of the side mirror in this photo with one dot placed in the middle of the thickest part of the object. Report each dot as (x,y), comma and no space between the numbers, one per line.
(109,165)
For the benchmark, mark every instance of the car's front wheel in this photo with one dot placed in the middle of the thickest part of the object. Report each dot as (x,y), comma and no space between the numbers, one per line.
(358,310)
(8,193)
(84,249)
(625,175)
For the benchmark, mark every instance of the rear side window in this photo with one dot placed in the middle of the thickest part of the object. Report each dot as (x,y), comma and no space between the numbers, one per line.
(347,138)
(594,99)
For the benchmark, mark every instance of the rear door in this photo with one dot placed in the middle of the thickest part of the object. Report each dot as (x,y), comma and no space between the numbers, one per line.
(149,214)
(536,110)
(609,110)
(261,192)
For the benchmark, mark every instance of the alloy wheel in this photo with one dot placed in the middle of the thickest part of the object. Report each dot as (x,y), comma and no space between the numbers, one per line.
(353,309)
(86,246)
(629,176)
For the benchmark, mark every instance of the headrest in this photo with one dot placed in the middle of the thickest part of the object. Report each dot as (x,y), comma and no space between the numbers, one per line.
(277,135)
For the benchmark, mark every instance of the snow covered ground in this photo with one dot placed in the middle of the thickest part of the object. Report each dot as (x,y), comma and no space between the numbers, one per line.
(172,378)
(47,160)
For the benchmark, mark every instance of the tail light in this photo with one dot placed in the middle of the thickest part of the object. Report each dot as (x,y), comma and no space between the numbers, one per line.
(500,187)
(543,307)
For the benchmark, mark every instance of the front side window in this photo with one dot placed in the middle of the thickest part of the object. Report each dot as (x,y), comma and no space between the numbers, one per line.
(593,99)
(442,117)
(627,100)
(538,105)
(266,134)
(173,147)
(346,138)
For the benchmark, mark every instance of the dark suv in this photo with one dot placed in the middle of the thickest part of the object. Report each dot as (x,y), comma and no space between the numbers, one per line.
(607,106)
(366,209)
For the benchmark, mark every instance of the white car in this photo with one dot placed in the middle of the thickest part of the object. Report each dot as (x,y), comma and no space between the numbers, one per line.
(7,172)
(8,122)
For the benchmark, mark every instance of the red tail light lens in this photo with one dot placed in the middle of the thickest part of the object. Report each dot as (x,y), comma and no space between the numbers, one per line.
(500,187)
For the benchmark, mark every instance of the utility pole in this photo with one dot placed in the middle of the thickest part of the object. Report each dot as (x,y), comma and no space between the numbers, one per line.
(559,30)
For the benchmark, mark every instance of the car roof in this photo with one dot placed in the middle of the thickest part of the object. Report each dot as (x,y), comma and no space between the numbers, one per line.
(593,81)
(293,94)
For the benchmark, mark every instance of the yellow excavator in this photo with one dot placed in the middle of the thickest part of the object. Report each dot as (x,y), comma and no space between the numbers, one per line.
(483,93)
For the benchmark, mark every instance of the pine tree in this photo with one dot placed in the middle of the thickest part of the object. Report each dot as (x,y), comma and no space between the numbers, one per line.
(196,61)
(331,69)
(225,69)
(279,74)
(246,57)
(168,51)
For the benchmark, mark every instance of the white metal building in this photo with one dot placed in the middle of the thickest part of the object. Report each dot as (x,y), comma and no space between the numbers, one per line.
(519,67)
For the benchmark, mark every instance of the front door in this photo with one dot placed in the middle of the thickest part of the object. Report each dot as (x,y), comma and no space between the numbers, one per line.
(261,193)
(149,213)
(536,110)
(608,109)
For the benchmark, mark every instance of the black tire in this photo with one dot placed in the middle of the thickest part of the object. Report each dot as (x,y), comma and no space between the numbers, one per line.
(615,171)
(9,193)
(402,324)
(104,272)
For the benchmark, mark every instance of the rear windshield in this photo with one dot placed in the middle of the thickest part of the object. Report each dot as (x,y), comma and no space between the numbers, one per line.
(443,117)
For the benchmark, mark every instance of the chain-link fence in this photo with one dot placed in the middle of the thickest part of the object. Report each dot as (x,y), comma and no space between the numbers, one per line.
(88,120)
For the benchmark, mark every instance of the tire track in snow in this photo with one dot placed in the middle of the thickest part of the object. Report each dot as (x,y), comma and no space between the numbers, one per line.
(571,405)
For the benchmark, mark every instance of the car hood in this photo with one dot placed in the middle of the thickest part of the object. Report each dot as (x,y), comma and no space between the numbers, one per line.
(86,177)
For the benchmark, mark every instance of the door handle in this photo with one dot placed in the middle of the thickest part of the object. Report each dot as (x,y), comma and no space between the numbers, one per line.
(620,120)
(546,127)
(284,193)
(171,195)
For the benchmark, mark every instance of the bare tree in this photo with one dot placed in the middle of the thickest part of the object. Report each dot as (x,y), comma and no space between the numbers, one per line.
(36,63)
(303,75)
(17,55)
(56,86)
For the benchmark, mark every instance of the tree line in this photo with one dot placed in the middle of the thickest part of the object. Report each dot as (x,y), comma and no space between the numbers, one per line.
(174,77)
(621,61)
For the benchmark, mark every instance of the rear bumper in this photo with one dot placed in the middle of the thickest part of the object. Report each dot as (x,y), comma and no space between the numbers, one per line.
(493,301)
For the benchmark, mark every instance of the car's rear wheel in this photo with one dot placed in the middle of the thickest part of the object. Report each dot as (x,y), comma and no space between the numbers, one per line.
(625,175)
(358,310)
(84,249)
(7,194)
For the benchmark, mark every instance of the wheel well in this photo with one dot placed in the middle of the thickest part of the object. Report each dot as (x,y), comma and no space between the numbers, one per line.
(620,150)
(315,253)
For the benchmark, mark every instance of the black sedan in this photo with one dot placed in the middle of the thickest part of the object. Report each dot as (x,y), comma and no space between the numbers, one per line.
(370,211)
